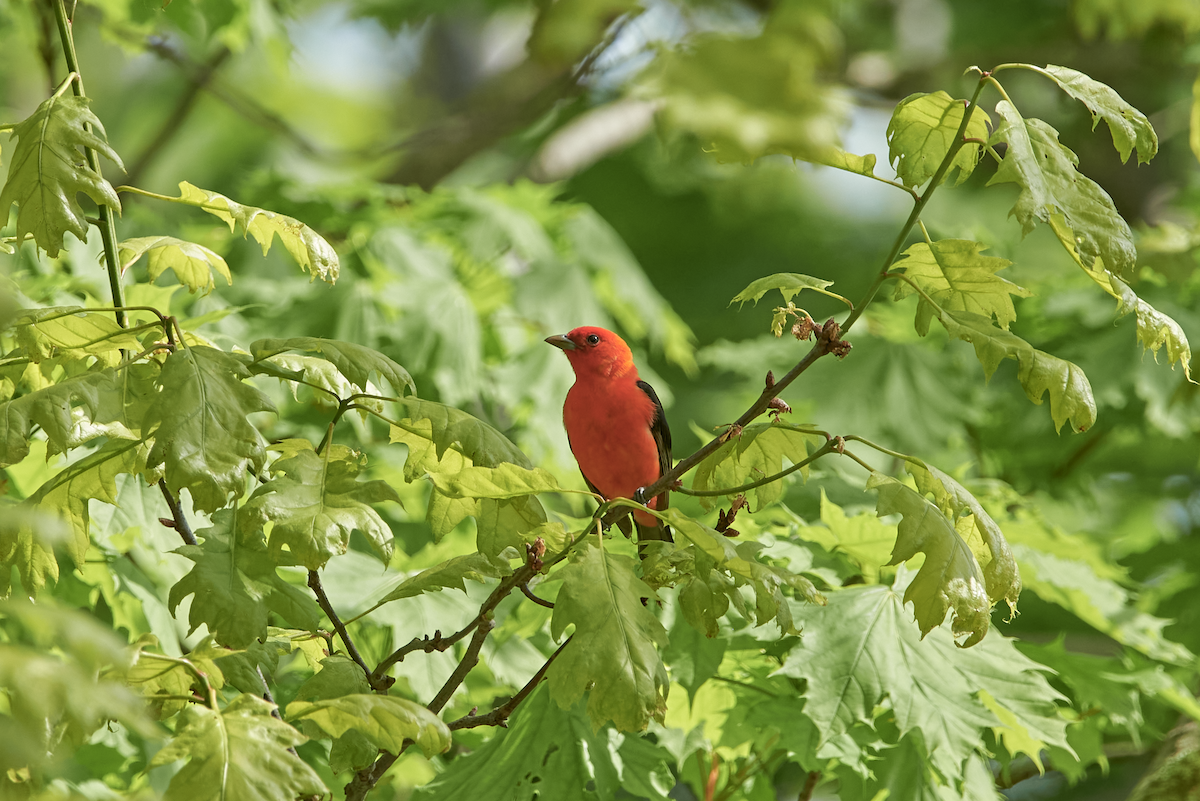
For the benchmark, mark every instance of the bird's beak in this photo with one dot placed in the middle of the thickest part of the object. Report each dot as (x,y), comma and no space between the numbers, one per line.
(560,341)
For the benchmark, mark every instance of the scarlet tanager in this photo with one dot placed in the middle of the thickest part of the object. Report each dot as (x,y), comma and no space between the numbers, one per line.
(615,424)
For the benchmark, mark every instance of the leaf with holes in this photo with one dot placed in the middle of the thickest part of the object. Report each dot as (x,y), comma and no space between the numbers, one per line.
(310,250)
(315,501)
(1045,170)
(1129,127)
(957,276)
(921,132)
(47,172)
(950,578)
(192,264)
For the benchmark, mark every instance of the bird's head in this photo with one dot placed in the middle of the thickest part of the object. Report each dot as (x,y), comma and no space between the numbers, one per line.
(594,351)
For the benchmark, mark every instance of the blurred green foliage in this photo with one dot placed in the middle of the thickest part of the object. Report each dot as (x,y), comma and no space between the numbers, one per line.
(467,177)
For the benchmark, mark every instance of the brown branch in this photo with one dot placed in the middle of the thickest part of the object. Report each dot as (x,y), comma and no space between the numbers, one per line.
(178,521)
(314,583)
(810,784)
(499,715)
(528,593)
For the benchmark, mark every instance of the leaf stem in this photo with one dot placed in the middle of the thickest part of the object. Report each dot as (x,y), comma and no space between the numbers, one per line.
(108,225)
(817,454)
(314,583)
(181,523)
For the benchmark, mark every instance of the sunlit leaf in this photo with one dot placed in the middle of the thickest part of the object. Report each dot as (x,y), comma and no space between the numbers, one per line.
(1070,392)
(315,501)
(316,256)
(758,451)
(192,264)
(789,284)
(506,480)
(76,332)
(1129,127)
(1045,170)
(613,653)
(861,649)
(356,362)
(238,754)
(956,274)
(200,426)
(451,574)
(921,132)
(48,171)
(864,538)
(950,579)
(384,720)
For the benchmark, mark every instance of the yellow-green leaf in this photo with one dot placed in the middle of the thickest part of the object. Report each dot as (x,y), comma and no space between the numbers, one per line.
(192,264)
(921,132)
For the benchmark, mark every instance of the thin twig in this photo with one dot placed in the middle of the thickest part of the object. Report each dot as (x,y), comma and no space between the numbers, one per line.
(181,523)
(314,583)
(528,593)
(499,715)
(810,784)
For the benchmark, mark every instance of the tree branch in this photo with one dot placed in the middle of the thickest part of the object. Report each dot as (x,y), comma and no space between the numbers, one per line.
(179,521)
(499,715)
(314,583)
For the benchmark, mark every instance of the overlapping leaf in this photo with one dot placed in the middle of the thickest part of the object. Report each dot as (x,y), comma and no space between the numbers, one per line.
(310,250)
(1070,392)
(1129,127)
(70,413)
(356,362)
(1154,329)
(315,501)
(501,482)
(192,264)
(47,172)
(24,537)
(950,578)
(386,721)
(235,586)
(76,333)
(861,649)
(550,752)
(450,574)
(958,277)
(448,427)
(864,538)
(921,132)
(200,425)
(238,754)
(613,652)
(755,453)
(1045,170)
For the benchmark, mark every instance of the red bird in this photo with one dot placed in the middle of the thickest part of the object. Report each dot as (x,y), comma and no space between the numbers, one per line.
(615,424)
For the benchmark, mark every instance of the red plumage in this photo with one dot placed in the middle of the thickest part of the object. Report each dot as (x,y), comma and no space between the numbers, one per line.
(615,422)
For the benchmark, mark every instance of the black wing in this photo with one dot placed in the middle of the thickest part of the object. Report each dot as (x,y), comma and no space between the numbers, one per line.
(662,437)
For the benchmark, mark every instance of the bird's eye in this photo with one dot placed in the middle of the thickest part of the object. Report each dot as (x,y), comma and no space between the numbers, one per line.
(593,339)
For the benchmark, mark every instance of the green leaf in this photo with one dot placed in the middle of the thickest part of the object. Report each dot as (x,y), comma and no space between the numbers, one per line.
(551,753)
(63,330)
(200,426)
(864,538)
(447,427)
(316,256)
(692,657)
(1039,372)
(386,721)
(24,541)
(355,362)
(315,502)
(950,578)
(451,574)
(860,650)
(238,754)
(47,172)
(841,160)
(1129,127)
(788,284)
(612,652)
(1045,170)
(1154,329)
(192,264)
(757,452)
(235,586)
(71,413)
(956,274)
(506,480)
(1000,573)
(921,132)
